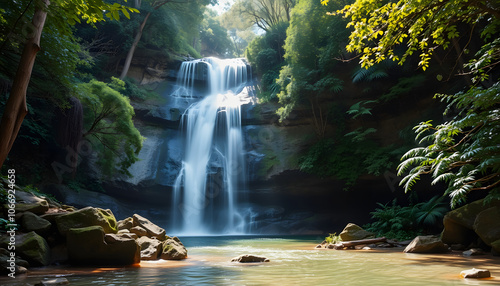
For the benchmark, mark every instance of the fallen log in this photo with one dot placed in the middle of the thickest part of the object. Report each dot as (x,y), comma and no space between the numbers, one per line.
(352,243)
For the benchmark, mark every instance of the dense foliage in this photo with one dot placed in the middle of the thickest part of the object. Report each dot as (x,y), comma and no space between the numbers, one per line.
(214,38)
(265,54)
(313,39)
(405,222)
(461,152)
(108,124)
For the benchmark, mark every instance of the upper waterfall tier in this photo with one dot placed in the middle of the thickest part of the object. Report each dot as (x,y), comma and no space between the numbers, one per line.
(198,78)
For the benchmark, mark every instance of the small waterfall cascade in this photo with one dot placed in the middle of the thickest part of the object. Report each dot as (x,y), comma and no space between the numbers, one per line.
(205,197)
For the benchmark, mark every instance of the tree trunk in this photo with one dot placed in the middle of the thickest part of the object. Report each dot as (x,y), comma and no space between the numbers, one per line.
(130,54)
(16,108)
(352,243)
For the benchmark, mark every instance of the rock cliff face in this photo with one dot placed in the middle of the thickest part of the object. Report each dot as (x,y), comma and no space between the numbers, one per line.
(278,197)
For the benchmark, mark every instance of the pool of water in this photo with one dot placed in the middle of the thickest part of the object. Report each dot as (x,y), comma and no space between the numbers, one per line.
(294,261)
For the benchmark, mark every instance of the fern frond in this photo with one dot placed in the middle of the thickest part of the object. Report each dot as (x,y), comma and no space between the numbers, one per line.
(377,74)
(410,180)
(413,152)
(446,177)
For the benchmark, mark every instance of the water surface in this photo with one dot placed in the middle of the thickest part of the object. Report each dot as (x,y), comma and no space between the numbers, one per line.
(294,261)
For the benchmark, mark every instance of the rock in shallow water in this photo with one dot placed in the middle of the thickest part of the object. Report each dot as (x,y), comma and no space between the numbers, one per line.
(173,249)
(151,248)
(473,252)
(53,281)
(475,273)
(245,258)
(426,244)
(355,232)
(91,246)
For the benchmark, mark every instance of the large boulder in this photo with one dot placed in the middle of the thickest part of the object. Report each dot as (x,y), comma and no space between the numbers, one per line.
(455,233)
(28,202)
(355,232)
(32,222)
(30,246)
(86,217)
(90,246)
(426,244)
(37,208)
(459,223)
(173,249)
(487,225)
(151,248)
(152,229)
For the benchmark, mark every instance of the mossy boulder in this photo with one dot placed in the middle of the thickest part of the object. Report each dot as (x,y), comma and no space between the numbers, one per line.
(487,225)
(32,222)
(86,217)
(88,246)
(32,247)
(355,232)
(173,249)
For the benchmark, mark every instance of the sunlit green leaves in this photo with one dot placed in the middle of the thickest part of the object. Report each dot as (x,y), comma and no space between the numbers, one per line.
(396,30)
(91,11)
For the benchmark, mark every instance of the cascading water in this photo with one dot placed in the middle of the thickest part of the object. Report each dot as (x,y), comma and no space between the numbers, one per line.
(213,171)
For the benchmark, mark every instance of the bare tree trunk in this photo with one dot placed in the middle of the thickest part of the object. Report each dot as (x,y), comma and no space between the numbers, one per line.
(156,5)
(16,108)
(130,54)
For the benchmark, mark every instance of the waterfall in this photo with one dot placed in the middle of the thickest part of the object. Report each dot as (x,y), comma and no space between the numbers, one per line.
(205,197)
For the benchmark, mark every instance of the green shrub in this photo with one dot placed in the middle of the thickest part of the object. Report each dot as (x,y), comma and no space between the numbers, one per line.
(406,222)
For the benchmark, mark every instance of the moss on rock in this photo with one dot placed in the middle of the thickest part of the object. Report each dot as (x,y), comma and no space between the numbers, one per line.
(86,217)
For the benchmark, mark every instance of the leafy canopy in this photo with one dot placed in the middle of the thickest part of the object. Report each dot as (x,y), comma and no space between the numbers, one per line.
(397,29)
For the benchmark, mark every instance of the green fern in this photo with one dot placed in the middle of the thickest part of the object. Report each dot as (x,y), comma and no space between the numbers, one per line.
(359,109)
(462,152)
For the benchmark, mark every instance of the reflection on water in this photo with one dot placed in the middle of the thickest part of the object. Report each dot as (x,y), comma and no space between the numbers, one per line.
(293,262)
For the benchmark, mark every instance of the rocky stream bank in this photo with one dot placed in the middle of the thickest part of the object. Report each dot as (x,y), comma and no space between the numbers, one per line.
(39,231)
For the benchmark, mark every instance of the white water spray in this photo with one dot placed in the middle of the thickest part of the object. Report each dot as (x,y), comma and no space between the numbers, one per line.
(205,199)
